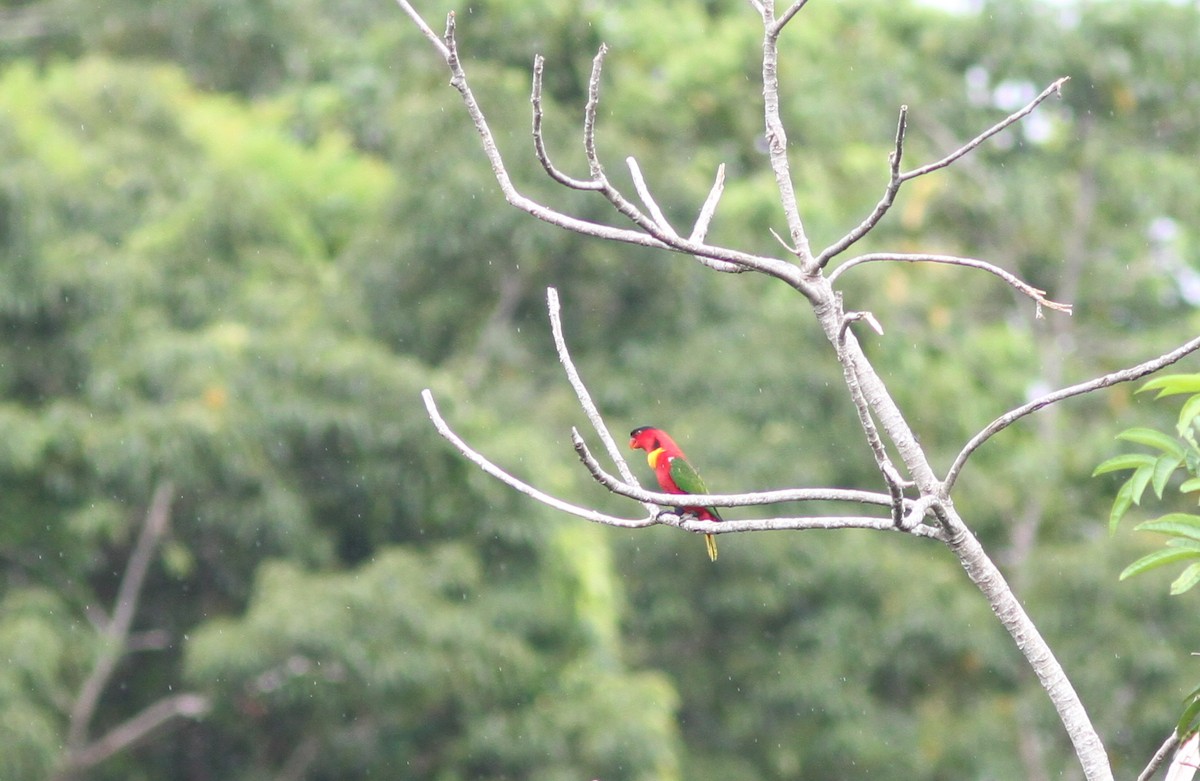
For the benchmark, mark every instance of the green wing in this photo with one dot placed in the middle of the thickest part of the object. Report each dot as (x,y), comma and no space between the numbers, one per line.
(687,479)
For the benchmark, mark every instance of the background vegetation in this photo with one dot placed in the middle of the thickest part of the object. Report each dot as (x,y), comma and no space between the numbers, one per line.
(236,240)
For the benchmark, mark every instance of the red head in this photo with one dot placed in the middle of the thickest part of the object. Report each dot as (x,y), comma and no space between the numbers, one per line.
(651,439)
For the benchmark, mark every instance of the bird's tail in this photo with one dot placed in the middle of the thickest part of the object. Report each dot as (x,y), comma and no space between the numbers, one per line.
(711,542)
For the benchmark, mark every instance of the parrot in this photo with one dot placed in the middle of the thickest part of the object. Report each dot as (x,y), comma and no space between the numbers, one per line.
(675,475)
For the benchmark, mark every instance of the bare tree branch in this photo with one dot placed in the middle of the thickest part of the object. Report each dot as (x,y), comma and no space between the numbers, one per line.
(1011,119)
(885,203)
(599,182)
(425,29)
(686,522)
(853,317)
(1155,761)
(748,499)
(803,523)
(787,16)
(115,642)
(1008,610)
(862,380)
(639,184)
(135,730)
(539,141)
(115,633)
(585,398)
(589,115)
(891,476)
(776,136)
(898,178)
(1186,761)
(700,229)
(704,219)
(649,236)
(1012,416)
(517,484)
(1038,295)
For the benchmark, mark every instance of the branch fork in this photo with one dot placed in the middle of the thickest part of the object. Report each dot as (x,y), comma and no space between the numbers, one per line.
(905,516)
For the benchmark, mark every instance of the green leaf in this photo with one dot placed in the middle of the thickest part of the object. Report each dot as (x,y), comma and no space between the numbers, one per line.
(1121,505)
(1158,558)
(1188,578)
(1188,413)
(1138,483)
(1190,485)
(1180,543)
(1125,461)
(1151,438)
(1178,524)
(1173,385)
(1164,467)
(1187,720)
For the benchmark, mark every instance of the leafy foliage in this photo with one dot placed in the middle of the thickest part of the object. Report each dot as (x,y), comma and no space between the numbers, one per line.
(1155,471)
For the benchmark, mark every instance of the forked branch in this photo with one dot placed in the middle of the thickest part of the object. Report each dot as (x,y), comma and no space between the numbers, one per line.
(82,752)
(649,235)
(685,522)
(897,178)
(628,486)
(518,484)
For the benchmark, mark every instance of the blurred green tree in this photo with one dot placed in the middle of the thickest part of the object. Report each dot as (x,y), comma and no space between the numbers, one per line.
(235,241)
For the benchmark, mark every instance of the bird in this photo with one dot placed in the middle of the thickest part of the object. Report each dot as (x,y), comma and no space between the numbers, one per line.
(675,475)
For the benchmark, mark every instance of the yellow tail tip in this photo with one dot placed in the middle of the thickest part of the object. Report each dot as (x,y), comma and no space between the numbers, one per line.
(711,542)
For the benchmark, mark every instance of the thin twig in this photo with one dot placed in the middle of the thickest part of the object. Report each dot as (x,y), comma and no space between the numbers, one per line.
(700,229)
(885,203)
(639,184)
(539,142)
(656,225)
(589,115)
(776,135)
(1186,761)
(787,16)
(425,29)
(116,632)
(1053,89)
(1038,295)
(854,317)
(1012,416)
(584,396)
(783,243)
(897,179)
(486,465)
(1155,761)
(135,730)
(891,475)
(663,226)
